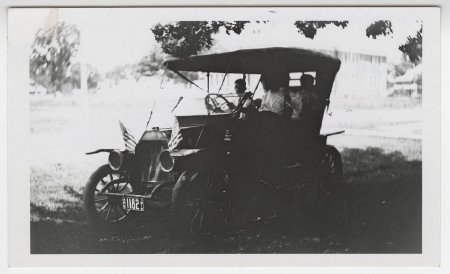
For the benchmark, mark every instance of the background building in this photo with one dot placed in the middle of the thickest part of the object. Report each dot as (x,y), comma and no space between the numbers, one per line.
(360,74)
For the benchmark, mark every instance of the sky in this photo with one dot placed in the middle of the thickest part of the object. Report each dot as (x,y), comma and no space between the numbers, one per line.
(112,37)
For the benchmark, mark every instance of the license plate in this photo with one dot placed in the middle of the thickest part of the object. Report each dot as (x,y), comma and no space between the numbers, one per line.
(133,203)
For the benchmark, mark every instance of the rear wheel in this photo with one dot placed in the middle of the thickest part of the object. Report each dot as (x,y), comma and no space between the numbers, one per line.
(333,201)
(331,168)
(102,209)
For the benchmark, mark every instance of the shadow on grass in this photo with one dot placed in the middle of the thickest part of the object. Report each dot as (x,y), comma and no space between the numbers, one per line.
(384,195)
(379,211)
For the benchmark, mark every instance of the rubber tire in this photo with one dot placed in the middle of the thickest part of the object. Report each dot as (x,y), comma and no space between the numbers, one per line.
(334,198)
(89,204)
(187,190)
(338,166)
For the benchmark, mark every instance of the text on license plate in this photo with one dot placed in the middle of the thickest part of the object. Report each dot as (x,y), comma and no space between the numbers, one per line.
(133,203)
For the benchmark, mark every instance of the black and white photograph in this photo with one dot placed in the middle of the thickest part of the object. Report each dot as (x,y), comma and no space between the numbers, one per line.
(225,130)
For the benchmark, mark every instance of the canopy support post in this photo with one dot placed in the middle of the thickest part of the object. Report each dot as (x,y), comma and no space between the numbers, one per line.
(185,78)
(207,74)
(223,80)
(164,74)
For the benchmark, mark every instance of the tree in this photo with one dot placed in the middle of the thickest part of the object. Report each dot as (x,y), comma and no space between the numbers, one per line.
(149,64)
(381,27)
(186,38)
(52,53)
(309,28)
(413,47)
(183,39)
(118,73)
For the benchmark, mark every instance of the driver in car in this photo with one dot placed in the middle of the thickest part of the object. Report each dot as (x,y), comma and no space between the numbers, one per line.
(245,98)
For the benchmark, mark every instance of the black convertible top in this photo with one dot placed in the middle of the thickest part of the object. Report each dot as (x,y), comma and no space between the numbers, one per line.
(258,61)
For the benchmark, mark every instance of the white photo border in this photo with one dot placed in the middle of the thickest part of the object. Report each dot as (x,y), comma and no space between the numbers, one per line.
(17,176)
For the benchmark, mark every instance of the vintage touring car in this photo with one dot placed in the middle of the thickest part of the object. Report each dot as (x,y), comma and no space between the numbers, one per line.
(198,167)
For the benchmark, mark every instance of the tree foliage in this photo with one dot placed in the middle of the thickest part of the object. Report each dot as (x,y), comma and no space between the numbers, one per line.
(183,39)
(413,47)
(73,76)
(51,56)
(119,73)
(377,28)
(309,28)
(149,64)
(186,38)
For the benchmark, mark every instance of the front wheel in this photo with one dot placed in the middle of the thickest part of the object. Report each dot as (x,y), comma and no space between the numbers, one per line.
(101,208)
(196,202)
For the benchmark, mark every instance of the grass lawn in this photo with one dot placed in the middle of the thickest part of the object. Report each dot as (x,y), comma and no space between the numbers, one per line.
(379,211)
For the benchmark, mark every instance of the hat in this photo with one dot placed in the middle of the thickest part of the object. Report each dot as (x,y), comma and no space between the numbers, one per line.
(307,79)
(240,81)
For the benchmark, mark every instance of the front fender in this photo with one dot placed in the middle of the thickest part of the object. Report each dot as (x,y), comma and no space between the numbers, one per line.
(180,159)
(101,150)
(185,152)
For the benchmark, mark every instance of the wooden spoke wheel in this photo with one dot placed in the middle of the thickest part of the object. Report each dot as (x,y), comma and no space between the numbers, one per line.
(331,168)
(101,207)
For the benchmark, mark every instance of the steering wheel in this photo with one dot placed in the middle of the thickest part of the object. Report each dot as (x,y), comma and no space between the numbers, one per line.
(236,112)
(212,104)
